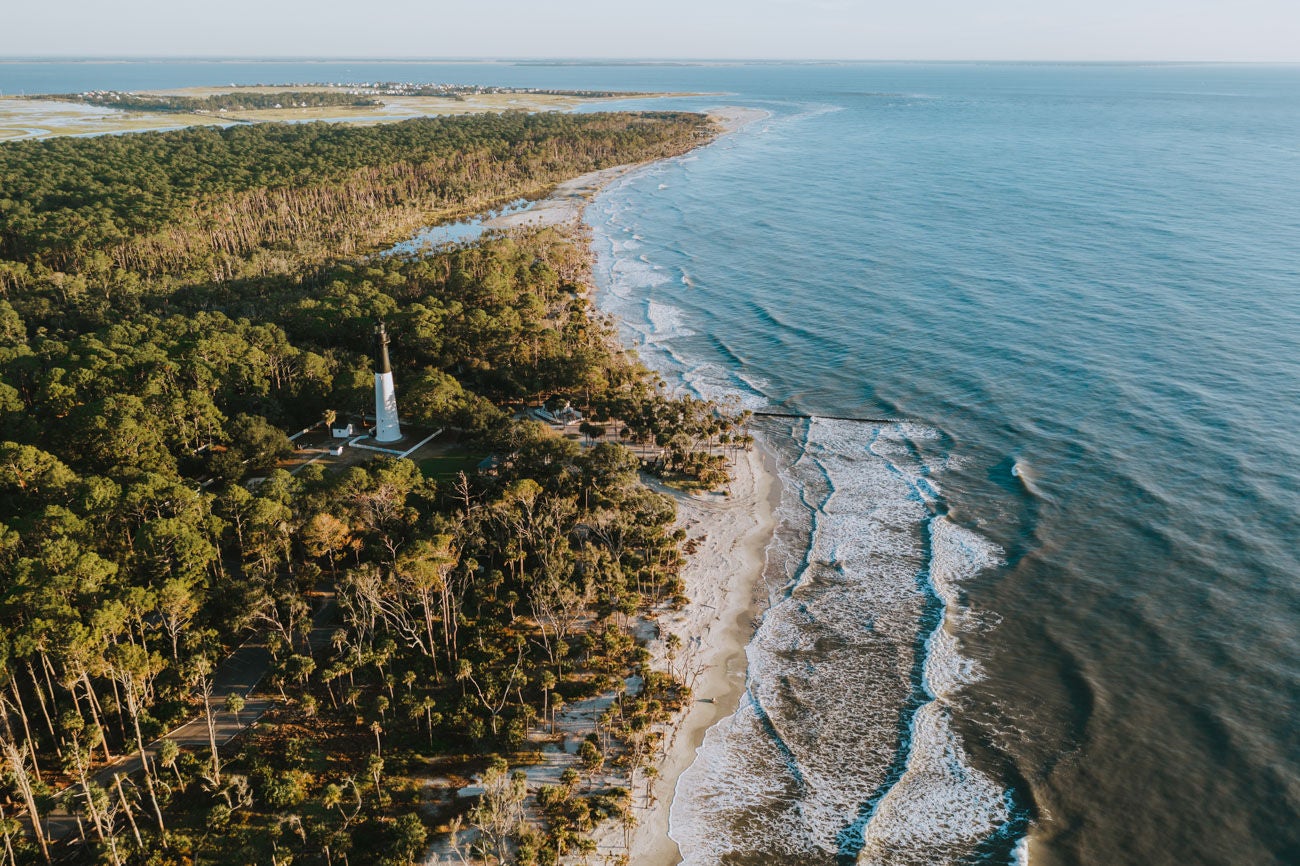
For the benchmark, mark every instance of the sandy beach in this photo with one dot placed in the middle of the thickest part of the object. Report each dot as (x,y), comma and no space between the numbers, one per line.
(566,202)
(724,582)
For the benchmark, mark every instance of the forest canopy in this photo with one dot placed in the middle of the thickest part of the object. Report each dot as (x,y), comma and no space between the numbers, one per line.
(203,202)
(170,304)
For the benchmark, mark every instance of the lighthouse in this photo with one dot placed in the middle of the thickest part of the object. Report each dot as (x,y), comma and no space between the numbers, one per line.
(386,426)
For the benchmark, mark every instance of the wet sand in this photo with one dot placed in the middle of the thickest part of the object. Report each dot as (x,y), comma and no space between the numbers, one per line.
(723,582)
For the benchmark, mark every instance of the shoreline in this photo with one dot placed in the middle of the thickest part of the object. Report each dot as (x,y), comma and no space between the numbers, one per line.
(724,581)
(567,202)
(723,577)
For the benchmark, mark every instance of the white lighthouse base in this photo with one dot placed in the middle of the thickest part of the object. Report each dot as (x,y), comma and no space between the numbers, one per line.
(386,427)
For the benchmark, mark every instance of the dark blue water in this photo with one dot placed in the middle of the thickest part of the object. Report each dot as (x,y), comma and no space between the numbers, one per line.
(1060,603)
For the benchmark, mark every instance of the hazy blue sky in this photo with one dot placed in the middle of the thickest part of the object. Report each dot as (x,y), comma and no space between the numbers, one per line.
(849,29)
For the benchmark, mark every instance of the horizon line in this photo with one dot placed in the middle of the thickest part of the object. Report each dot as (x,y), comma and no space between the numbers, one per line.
(580,60)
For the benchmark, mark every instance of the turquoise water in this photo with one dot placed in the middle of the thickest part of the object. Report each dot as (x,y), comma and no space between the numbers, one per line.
(1053,613)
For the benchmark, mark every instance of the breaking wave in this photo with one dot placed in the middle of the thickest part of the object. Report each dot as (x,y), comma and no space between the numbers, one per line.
(842,747)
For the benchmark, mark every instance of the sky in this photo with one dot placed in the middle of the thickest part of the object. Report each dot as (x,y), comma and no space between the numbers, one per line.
(1103,30)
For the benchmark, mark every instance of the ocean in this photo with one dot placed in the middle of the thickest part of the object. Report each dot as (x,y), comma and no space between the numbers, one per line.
(1049,611)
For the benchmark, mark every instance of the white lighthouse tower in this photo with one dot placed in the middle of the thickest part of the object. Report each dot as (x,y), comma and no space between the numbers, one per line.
(386,426)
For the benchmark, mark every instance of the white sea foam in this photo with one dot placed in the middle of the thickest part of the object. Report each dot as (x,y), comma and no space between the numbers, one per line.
(634,272)
(665,322)
(830,670)
(1027,477)
(946,669)
(723,385)
(938,804)
(958,554)
(757,384)
(825,753)
(940,801)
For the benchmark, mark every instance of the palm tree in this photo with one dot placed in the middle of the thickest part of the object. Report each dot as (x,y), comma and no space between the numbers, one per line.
(235,704)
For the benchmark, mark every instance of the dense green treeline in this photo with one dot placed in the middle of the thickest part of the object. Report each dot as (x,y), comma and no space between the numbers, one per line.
(455,614)
(476,327)
(209,203)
